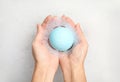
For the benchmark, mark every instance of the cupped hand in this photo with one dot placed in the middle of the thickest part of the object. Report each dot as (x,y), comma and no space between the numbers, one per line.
(46,62)
(73,64)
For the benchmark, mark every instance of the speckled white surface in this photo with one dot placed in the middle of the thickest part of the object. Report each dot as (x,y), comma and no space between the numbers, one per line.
(100,21)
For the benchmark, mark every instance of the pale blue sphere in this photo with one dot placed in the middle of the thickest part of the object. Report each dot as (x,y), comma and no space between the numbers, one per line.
(61,38)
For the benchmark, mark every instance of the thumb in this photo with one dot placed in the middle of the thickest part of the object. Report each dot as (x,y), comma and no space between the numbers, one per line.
(38,28)
(39,32)
(80,33)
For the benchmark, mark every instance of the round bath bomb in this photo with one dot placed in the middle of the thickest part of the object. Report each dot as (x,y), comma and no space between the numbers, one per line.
(61,38)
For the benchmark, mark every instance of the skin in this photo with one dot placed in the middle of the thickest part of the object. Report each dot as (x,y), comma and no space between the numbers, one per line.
(73,64)
(46,64)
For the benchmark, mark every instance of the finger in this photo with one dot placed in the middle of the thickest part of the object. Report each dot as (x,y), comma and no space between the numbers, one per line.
(64,17)
(80,33)
(52,18)
(55,17)
(46,20)
(38,28)
(39,32)
(69,20)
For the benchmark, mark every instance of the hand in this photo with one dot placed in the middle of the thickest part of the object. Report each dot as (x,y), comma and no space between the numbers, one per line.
(73,64)
(46,63)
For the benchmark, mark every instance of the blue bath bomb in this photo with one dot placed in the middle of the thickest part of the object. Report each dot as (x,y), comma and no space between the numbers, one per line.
(61,38)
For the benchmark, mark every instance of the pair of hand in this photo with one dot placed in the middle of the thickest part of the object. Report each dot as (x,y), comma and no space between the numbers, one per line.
(46,64)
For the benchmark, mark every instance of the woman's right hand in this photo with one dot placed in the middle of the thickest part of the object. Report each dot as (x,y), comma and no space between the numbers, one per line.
(73,64)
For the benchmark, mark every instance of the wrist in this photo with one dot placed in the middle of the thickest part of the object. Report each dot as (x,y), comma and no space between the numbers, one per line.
(38,74)
(47,73)
(78,74)
(43,74)
(67,75)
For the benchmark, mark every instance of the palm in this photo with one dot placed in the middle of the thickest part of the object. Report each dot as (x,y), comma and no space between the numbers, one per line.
(40,50)
(47,58)
(78,52)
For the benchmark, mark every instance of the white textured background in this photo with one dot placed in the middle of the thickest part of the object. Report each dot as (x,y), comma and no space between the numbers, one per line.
(100,21)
